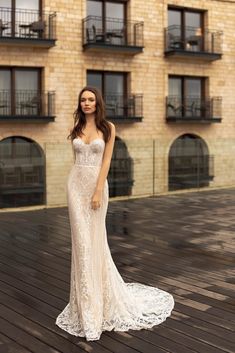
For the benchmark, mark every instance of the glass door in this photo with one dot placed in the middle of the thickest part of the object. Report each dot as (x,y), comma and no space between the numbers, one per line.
(5,92)
(115,22)
(94,24)
(175,99)
(114,93)
(193,96)
(26,12)
(193,31)
(27,94)
(5,18)
(174,34)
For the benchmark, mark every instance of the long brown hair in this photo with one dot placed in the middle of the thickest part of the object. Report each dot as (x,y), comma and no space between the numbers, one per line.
(80,119)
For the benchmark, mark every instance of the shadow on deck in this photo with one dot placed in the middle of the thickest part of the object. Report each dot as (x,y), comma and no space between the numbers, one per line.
(183,244)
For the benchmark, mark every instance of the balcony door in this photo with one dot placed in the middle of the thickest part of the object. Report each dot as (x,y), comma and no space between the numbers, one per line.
(26,86)
(20,91)
(5,89)
(113,87)
(115,22)
(17,15)
(186,29)
(186,96)
(106,21)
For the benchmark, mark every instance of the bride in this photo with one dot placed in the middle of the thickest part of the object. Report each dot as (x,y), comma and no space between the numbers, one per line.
(99,300)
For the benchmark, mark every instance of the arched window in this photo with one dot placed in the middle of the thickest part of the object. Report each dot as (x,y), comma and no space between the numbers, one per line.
(22,172)
(120,175)
(190,165)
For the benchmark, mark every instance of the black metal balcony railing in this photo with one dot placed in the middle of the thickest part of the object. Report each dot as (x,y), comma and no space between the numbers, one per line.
(27,24)
(112,32)
(192,39)
(192,171)
(27,103)
(193,108)
(120,106)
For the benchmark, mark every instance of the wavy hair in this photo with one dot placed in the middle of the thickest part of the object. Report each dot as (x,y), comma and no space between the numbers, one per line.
(80,119)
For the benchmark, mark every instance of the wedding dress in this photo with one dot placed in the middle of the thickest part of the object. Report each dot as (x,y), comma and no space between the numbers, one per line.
(99,298)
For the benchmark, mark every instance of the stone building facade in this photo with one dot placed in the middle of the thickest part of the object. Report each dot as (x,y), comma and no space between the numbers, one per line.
(167,72)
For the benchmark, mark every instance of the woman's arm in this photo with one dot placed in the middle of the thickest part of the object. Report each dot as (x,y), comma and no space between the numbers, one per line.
(104,168)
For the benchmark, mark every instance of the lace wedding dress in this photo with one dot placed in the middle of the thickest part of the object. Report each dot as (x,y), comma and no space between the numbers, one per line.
(99,298)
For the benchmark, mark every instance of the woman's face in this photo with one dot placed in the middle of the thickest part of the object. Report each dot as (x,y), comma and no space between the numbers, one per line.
(88,102)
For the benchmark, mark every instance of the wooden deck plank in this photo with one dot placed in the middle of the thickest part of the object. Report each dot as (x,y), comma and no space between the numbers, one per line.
(174,242)
(9,346)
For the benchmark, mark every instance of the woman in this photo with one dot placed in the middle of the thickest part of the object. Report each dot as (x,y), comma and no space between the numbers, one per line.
(99,298)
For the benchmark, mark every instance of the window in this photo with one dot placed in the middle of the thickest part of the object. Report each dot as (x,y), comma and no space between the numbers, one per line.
(185,29)
(16,15)
(20,91)
(106,21)
(186,96)
(22,172)
(190,164)
(113,87)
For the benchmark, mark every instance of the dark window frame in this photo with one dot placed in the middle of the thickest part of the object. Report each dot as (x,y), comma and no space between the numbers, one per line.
(13,70)
(182,10)
(183,79)
(105,72)
(122,2)
(185,102)
(13,14)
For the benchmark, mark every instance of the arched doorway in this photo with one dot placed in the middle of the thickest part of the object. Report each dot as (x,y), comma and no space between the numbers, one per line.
(22,172)
(120,175)
(190,165)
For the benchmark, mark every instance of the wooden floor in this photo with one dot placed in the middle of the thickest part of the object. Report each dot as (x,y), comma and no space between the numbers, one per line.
(183,244)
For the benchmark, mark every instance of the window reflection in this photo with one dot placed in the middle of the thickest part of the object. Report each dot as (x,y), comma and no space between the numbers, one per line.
(189,163)
(27,4)
(22,172)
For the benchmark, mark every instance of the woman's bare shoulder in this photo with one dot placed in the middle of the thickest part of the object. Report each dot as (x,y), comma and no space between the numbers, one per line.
(112,126)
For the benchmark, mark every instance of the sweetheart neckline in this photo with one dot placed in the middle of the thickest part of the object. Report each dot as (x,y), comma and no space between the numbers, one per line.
(98,138)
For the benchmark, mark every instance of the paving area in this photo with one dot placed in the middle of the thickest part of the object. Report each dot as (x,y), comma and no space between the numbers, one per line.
(183,244)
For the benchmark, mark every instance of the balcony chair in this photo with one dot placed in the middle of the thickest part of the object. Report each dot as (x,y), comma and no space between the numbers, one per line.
(3,27)
(34,29)
(99,35)
(182,110)
(174,42)
(38,28)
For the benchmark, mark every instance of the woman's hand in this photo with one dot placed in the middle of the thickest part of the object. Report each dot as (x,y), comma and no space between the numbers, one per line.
(96,200)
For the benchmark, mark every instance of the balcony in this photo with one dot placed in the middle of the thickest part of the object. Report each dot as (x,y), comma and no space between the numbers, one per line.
(27,106)
(193,43)
(124,109)
(27,28)
(193,109)
(112,35)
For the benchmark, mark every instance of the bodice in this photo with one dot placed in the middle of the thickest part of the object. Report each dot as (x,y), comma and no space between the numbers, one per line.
(88,154)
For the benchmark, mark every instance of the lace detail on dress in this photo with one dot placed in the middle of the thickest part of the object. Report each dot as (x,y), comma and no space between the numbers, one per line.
(88,154)
(99,298)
